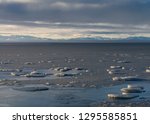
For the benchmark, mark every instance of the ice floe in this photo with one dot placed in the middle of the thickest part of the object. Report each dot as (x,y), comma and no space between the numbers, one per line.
(79,68)
(123,61)
(135,86)
(114,71)
(33,74)
(18,73)
(49,61)
(122,96)
(29,63)
(36,74)
(6,62)
(6,70)
(148,70)
(63,74)
(64,69)
(31,88)
(132,90)
(126,78)
(117,67)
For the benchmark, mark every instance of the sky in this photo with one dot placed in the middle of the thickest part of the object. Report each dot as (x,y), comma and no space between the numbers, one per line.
(74,19)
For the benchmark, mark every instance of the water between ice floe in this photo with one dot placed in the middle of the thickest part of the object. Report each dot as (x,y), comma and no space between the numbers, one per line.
(64,96)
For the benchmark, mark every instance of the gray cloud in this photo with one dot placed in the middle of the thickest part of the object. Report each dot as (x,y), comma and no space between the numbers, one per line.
(71,19)
(116,11)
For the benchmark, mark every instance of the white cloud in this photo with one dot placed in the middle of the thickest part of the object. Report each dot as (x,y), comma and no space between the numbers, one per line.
(56,31)
(19,1)
(67,6)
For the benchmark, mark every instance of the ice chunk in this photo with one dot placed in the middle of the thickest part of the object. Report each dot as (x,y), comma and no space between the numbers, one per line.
(132,90)
(35,74)
(122,96)
(31,89)
(116,67)
(126,78)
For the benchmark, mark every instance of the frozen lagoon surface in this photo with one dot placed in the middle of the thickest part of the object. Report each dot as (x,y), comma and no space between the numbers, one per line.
(74,74)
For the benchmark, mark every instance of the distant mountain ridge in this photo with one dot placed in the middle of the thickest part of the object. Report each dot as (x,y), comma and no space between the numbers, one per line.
(100,39)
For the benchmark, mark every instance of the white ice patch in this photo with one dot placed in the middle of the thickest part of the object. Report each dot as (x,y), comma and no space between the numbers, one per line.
(39,74)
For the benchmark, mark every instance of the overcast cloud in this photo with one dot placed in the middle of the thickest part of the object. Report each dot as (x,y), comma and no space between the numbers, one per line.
(85,18)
